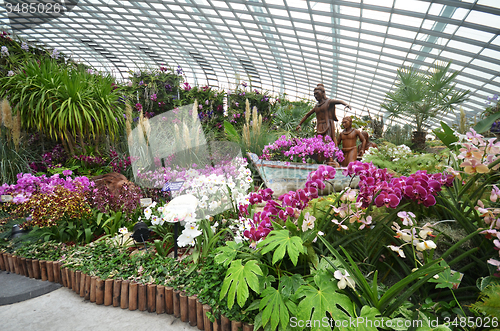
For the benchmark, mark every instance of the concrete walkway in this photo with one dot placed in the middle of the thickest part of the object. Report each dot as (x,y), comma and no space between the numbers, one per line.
(59,308)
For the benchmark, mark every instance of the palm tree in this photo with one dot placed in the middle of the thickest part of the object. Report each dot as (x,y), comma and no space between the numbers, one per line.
(420,96)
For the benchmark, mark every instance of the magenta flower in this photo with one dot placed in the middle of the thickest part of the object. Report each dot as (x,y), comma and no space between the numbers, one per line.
(387,199)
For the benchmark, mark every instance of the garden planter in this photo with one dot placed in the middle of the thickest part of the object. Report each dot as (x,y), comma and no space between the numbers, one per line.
(99,291)
(199,315)
(56,267)
(151,289)
(15,264)
(117,284)
(247,327)
(50,270)
(142,297)
(192,310)
(108,292)
(5,260)
(160,299)
(225,323)
(36,269)
(235,326)
(183,301)
(124,294)
(43,270)
(177,305)
(93,281)
(78,279)
(88,285)
(207,325)
(83,277)
(68,277)
(2,266)
(133,296)
(29,266)
(24,267)
(73,279)
(169,300)
(216,324)
(282,177)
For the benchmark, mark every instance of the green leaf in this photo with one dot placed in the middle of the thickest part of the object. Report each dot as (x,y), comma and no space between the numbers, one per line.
(280,241)
(238,279)
(366,321)
(446,135)
(290,284)
(447,278)
(485,124)
(226,254)
(322,299)
(231,132)
(274,309)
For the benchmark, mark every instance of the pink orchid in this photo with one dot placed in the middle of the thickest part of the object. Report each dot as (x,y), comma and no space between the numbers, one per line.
(495,193)
(473,166)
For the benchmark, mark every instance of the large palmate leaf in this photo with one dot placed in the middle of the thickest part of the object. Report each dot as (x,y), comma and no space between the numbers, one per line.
(281,242)
(238,279)
(368,320)
(226,254)
(322,299)
(275,308)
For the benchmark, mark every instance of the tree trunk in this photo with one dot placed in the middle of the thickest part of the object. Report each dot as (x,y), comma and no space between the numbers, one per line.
(418,140)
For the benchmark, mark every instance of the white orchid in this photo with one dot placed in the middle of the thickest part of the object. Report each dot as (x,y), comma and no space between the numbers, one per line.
(344,280)
(308,222)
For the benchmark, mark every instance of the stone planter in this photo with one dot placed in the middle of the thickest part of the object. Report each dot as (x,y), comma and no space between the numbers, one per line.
(282,177)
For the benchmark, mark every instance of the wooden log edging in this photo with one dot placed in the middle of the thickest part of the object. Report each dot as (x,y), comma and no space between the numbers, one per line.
(122,293)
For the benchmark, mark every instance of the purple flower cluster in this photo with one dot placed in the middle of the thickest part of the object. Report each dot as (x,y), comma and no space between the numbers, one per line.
(292,203)
(119,164)
(302,148)
(91,161)
(387,191)
(27,185)
(127,200)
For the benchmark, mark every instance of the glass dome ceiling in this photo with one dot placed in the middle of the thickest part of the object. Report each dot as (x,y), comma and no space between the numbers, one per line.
(353,47)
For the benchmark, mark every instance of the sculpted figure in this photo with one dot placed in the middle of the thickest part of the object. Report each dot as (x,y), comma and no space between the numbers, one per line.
(325,113)
(368,144)
(348,139)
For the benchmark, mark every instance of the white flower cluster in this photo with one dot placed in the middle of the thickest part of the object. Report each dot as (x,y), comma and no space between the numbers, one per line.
(394,153)
(411,235)
(215,192)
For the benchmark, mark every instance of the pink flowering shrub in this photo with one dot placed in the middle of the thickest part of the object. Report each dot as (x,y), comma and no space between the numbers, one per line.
(127,200)
(301,149)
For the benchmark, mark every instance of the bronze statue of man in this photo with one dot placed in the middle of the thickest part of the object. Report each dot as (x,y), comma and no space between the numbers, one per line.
(348,139)
(325,113)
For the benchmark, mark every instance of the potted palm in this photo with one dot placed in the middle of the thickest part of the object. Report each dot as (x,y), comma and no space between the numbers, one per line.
(420,96)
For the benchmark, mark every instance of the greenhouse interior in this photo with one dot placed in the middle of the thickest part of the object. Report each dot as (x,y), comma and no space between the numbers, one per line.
(254,164)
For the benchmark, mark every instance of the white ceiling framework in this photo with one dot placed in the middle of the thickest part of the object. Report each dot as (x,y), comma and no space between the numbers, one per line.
(285,46)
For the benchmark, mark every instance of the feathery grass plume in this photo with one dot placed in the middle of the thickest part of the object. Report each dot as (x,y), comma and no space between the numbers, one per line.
(16,131)
(141,129)
(247,112)
(195,111)
(187,136)
(1,112)
(128,123)
(6,114)
(255,122)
